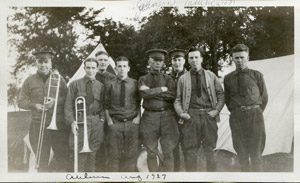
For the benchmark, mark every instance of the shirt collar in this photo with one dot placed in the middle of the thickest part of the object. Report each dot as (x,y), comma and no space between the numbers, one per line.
(197,72)
(245,70)
(86,79)
(178,72)
(155,72)
(126,79)
(44,77)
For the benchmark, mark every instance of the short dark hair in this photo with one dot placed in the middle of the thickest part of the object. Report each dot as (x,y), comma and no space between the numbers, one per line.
(122,58)
(101,53)
(192,49)
(91,60)
(240,48)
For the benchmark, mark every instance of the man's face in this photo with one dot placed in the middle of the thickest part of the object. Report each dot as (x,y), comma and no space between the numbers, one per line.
(103,61)
(155,64)
(240,59)
(122,69)
(195,60)
(178,63)
(44,63)
(91,69)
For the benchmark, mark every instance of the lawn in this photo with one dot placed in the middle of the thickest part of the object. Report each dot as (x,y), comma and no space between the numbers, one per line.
(18,125)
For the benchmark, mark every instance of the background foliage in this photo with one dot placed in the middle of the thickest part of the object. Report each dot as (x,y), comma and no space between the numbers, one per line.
(73,32)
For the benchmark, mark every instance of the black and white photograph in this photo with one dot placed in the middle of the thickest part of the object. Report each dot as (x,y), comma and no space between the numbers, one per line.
(149,90)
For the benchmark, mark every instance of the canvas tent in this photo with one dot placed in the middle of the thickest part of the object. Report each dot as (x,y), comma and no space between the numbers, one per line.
(80,72)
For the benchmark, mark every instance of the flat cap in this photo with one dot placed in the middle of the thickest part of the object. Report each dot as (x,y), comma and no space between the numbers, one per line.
(157,53)
(43,51)
(177,53)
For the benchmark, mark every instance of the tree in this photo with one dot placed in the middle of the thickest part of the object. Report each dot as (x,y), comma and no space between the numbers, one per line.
(12,95)
(32,28)
(275,35)
(268,31)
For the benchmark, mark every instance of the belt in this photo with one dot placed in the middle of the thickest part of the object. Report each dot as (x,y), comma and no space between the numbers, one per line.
(94,113)
(123,119)
(157,110)
(199,109)
(248,107)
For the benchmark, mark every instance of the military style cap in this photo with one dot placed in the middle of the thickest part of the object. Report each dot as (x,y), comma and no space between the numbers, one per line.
(43,50)
(157,53)
(177,53)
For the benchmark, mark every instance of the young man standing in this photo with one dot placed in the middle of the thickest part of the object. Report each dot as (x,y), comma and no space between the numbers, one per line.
(122,110)
(158,120)
(246,98)
(200,98)
(32,95)
(103,76)
(93,92)
(177,57)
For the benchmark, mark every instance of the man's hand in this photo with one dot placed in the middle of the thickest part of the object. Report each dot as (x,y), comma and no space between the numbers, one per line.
(185,116)
(74,128)
(50,103)
(144,87)
(39,107)
(213,113)
(136,120)
(164,89)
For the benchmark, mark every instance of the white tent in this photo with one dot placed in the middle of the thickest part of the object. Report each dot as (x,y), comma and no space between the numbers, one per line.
(80,72)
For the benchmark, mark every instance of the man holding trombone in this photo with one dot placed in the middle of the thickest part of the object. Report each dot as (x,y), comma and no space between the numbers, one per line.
(44,94)
(85,115)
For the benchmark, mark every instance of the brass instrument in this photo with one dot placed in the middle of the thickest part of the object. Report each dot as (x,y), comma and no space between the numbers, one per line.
(80,118)
(54,82)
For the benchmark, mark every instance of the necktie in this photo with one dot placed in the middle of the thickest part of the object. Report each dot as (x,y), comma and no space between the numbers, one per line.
(198,79)
(241,86)
(155,80)
(89,92)
(122,95)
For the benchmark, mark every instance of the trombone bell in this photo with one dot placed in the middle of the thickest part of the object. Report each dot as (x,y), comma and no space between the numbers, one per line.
(81,118)
(54,77)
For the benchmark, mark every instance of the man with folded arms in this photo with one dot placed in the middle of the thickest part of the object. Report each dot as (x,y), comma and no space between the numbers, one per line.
(158,120)
(246,98)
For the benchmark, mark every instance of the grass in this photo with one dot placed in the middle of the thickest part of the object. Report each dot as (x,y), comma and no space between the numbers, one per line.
(19,122)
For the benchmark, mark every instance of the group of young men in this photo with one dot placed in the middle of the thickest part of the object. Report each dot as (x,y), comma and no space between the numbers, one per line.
(181,109)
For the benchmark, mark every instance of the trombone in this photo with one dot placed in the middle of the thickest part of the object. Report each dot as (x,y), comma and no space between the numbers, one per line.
(54,82)
(80,118)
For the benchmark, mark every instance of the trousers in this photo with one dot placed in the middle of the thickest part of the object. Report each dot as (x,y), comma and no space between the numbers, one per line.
(58,140)
(123,146)
(200,130)
(159,126)
(248,137)
(87,161)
